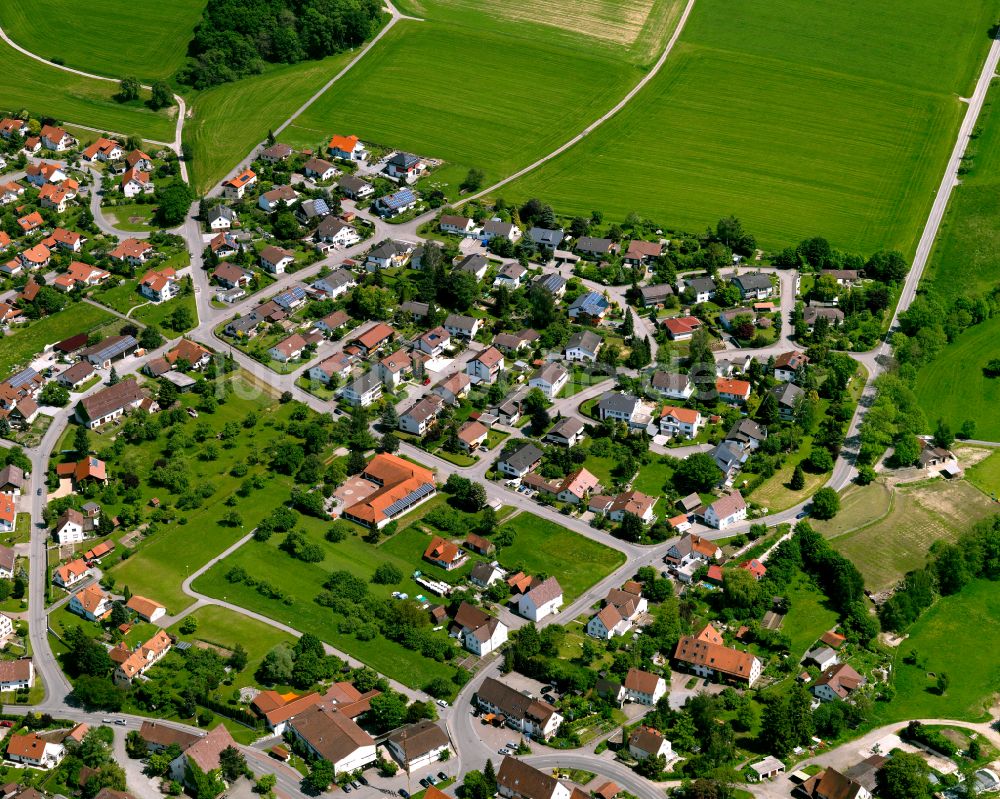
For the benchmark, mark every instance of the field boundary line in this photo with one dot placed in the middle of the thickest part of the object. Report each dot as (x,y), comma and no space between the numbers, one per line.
(598,122)
(871,523)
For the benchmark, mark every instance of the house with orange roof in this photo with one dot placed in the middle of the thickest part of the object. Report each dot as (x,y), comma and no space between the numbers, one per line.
(574,488)
(54,138)
(347,148)
(64,240)
(137,159)
(30,222)
(135,182)
(472,435)
(190,351)
(143,658)
(235,188)
(377,336)
(55,196)
(736,392)
(755,567)
(10,192)
(8,513)
(683,422)
(706,655)
(621,609)
(399,486)
(44,172)
(133,251)
(11,127)
(69,574)
(103,150)
(159,286)
(32,750)
(446,554)
(681,328)
(8,314)
(91,603)
(80,275)
(146,609)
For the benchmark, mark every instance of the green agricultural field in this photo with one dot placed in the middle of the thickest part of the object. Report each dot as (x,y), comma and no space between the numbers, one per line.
(949,638)
(985,475)
(148,41)
(953,385)
(886,545)
(28,341)
(47,91)
(228,121)
(964,259)
(801,118)
(544,547)
(495,98)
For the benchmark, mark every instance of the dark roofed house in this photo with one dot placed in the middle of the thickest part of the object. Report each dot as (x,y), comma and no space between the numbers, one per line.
(517,780)
(535,718)
(109,403)
(417,745)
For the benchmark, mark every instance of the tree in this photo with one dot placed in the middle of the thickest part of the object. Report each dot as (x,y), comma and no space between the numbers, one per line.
(135,746)
(387,574)
(907,450)
(943,437)
(631,528)
(54,394)
(113,378)
(904,776)
(387,711)
(238,658)
(943,681)
(389,442)
(356,462)
(696,474)
(798,481)
(189,625)
(233,764)
(473,180)
(768,412)
(129,89)
(820,460)
(825,504)
(162,96)
(276,667)
(174,200)
(265,784)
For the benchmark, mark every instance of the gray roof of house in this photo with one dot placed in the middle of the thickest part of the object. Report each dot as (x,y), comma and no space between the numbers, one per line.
(584,339)
(787,394)
(729,452)
(472,263)
(550,373)
(221,212)
(551,283)
(673,381)
(546,238)
(655,292)
(387,249)
(746,429)
(701,284)
(566,427)
(591,244)
(753,281)
(620,403)
(522,457)
(364,383)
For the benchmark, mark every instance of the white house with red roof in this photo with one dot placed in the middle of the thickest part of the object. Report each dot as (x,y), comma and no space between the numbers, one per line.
(132,251)
(160,286)
(684,422)
(135,182)
(348,148)
(236,187)
(726,511)
(57,139)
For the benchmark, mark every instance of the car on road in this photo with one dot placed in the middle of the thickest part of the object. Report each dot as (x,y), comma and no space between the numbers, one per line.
(801,515)
(432,779)
(38,493)
(404,793)
(442,703)
(356,785)
(548,698)
(105,721)
(504,751)
(123,722)
(511,745)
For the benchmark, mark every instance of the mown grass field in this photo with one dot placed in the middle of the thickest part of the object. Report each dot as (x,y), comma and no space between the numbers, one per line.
(953,386)
(887,542)
(808,616)
(964,260)
(47,91)
(985,475)
(801,118)
(227,121)
(495,98)
(147,40)
(952,636)
(25,342)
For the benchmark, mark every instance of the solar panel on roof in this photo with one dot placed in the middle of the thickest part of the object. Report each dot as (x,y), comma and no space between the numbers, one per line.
(400,504)
(21,378)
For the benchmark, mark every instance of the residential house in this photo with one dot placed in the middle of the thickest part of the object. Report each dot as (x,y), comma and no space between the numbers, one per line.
(347,148)
(36,257)
(30,749)
(748,433)
(399,202)
(444,554)
(583,346)
(542,600)
(703,288)
(646,742)
(625,408)
(472,435)
(8,513)
(788,396)
(691,549)
(336,366)
(574,488)
(534,718)
(823,657)
(146,609)
(550,379)
(523,458)
(332,322)
(55,138)
(69,527)
(596,248)
(633,502)
(364,390)
(681,328)
(279,196)
(91,603)
(434,342)
(231,276)
(400,487)
(479,632)
(831,784)
(486,367)
(726,511)
(309,211)
(552,283)
(421,415)
(135,182)
(788,366)
(621,610)
(512,343)
(655,295)
(288,349)
(393,369)
(388,254)
(405,166)
(69,574)
(475,265)
(813,313)
(12,483)
(457,225)
(355,188)
(204,753)
(753,286)
(590,308)
(518,780)
(235,188)
(672,385)
(109,403)
(453,389)
(683,422)
(159,286)
(736,392)
(462,326)
(642,253)
(643,687)
(567,431)
(221,217)
(134,252)
(510,276)
(319,169)
(15,675)
(80,275)
(338,282)
(137,159)
(495,228)
(336,232)
(483,575)
(189,352)
(63,239)
(11,127)
(276,259)
(276,153)
(706,655)
(754,567)
(417,745)
(837,682)
(550,239)
(142,659)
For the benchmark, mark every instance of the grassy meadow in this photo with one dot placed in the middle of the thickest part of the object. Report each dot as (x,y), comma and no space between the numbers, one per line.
(47,91)
(494,98)
(27,341)
(953,385)
(801,118)
(148,41)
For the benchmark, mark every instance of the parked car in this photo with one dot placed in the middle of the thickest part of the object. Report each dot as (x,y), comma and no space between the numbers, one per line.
(347,788)
(442,703)
(432,779)
(362,779)
(442,776)
(424,782)
(404,793)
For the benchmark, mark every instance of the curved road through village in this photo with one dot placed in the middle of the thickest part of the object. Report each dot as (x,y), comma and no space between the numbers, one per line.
(470,749)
